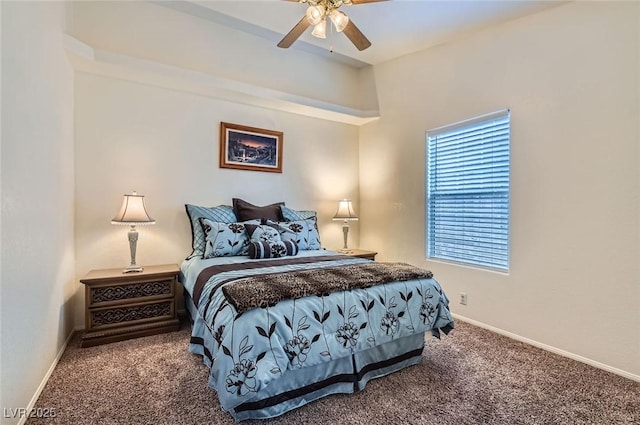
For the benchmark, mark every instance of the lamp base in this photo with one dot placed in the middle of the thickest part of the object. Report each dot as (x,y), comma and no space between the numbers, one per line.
(345,251)
(133,269)
(133,241)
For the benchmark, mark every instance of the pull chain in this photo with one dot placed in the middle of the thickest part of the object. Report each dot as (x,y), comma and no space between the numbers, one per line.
(330,37)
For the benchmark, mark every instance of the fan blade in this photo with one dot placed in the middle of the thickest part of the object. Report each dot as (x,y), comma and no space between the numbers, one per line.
(294,33)
(356,36)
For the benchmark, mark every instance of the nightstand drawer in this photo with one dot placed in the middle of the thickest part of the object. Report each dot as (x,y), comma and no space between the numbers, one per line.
(131,314)
(137,291)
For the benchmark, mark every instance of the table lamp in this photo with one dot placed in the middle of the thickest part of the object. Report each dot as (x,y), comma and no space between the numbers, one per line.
(133,212)
(345,212)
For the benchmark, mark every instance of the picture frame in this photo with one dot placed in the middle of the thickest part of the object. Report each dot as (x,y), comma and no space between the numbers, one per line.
(250,148)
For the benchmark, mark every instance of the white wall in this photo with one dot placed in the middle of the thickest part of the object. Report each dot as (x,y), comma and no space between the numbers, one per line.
(159,34)
(571,78)
(164,144)
(37,197)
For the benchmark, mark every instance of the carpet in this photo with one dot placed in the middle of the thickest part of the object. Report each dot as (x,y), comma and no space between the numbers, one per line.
(472,376)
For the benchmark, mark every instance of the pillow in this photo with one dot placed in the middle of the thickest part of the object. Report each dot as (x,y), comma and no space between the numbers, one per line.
(303,232)
(263,232)
(220,214)
(225,239)
(292,215)
(246,211)
(264,249)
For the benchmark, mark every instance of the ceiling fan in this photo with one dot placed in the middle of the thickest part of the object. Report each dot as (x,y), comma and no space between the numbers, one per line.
(317,14)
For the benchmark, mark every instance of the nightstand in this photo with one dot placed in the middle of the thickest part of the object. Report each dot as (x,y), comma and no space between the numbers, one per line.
(127,305)
(361,253)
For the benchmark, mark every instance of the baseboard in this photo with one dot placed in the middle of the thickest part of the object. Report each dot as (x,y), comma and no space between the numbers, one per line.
(549,348)
(47,375)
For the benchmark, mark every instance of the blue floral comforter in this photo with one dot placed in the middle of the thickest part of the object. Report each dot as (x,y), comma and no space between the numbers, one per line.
(249,351)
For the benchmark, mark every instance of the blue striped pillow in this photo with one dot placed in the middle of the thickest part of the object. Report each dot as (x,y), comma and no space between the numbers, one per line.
(294,215)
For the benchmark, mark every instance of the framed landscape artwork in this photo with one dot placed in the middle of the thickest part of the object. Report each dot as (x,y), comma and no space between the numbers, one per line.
(250,148)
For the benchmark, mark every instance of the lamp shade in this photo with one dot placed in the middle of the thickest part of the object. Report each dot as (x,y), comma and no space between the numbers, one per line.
(320,30)
(315,14)
(345,211)
(339,19)
(133,211)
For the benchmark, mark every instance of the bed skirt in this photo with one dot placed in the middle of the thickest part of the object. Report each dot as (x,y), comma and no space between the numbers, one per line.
(300,386)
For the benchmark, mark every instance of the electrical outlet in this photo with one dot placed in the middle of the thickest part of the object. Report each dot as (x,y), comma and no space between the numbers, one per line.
(463,298)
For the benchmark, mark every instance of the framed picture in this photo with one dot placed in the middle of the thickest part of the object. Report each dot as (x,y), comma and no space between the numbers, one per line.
(250,148)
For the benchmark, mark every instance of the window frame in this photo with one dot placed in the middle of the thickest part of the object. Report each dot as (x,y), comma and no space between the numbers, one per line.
(496,191)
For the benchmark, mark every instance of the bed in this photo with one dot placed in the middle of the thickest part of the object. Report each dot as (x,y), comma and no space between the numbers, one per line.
(278,333)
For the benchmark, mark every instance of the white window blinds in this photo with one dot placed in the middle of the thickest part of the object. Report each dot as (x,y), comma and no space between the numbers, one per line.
(468,191)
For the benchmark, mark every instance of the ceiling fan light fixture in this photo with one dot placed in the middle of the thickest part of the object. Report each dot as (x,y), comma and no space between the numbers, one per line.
(320,30)
(339,19)
(315,14)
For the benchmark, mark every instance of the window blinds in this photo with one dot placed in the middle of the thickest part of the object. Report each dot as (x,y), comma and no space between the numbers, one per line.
(468,167)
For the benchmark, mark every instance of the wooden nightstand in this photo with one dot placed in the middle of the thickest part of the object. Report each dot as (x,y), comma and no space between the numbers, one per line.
(127,305)
(361,253)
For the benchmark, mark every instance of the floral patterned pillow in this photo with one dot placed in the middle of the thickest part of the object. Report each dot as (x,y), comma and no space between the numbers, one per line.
(219,214)
(225,239)
(263,233)
(303,232)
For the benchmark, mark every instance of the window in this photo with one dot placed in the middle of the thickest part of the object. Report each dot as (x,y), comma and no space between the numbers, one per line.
(468,191)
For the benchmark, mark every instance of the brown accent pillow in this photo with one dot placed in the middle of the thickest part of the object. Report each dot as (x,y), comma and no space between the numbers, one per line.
(245,211)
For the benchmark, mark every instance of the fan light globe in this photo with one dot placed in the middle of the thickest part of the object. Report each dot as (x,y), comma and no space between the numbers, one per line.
(315,14)
(339,19)
(320,30)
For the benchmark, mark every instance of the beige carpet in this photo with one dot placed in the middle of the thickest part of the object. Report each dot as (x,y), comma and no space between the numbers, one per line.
(471,376)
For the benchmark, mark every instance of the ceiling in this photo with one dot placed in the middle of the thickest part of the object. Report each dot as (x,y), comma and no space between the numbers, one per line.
(395,28)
